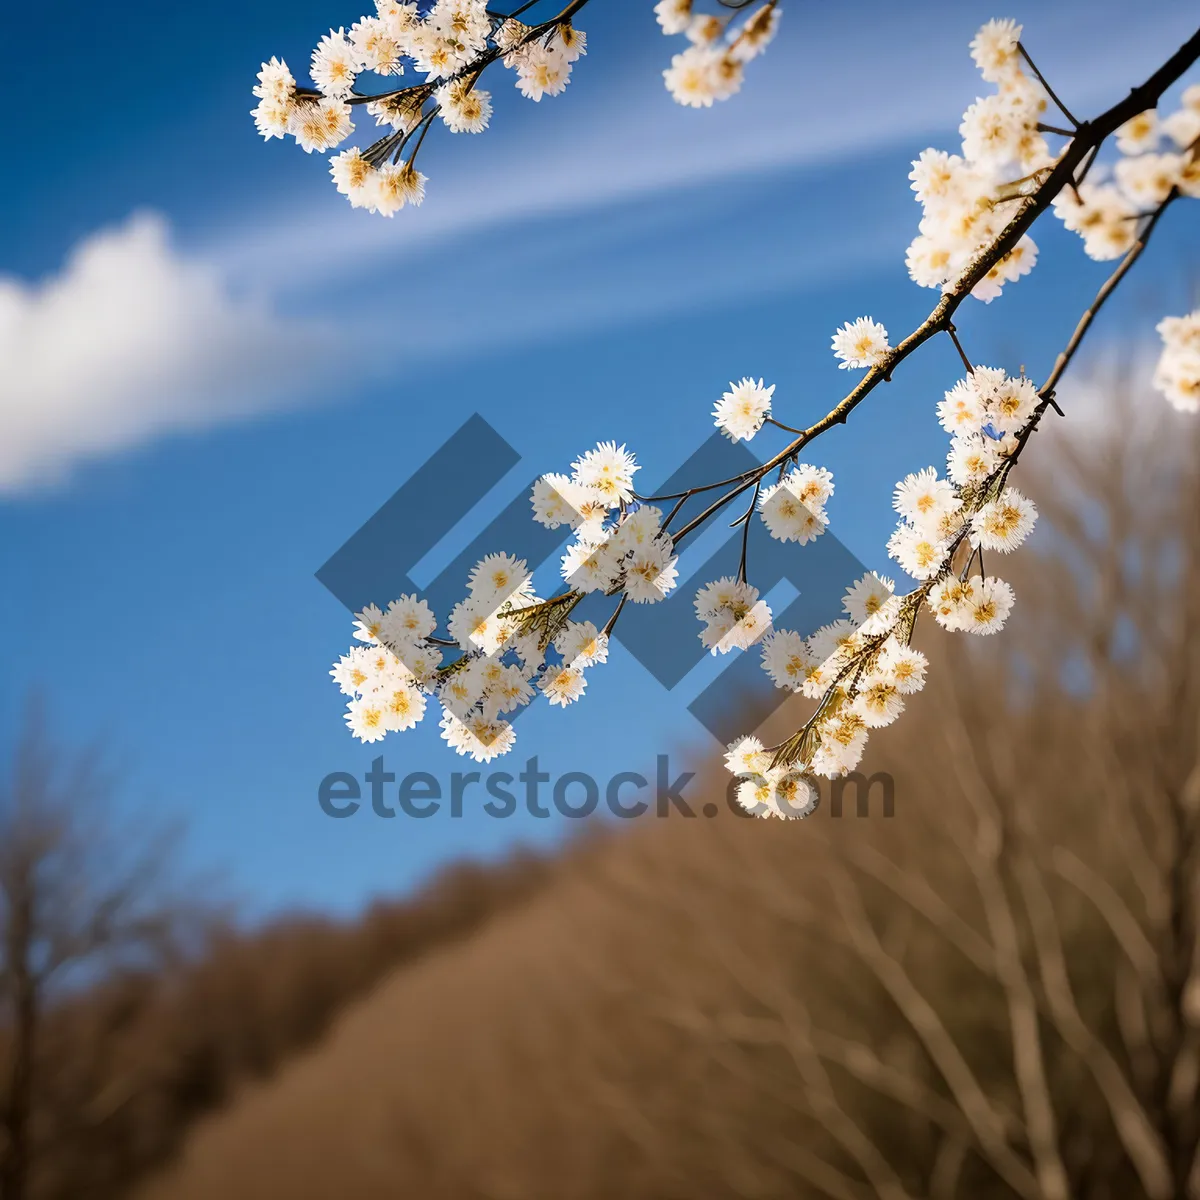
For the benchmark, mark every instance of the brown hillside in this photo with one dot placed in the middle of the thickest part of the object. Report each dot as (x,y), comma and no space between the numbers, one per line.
(992,994)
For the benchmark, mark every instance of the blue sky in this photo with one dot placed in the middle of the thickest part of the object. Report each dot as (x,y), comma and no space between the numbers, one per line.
(221,370)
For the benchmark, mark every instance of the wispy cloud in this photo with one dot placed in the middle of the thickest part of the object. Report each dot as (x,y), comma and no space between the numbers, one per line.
(570,203)
(128,341)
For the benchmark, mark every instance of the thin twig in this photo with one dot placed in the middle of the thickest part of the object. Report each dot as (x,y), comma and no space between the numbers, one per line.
(1109,286)
(781,425)
(612,621)
(745,519)
(961,352)
(1062,108)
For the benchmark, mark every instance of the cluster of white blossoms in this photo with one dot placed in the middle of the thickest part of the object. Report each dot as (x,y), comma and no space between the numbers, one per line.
(1105,213)
(985,415)
(619,545)
(734,617)
(501,668)
(963,196)
(792,508)
(450,44)
(860,667)
(389,676)
(1177,375)
(768,791)
(968,198)
(714,64)
(513,645)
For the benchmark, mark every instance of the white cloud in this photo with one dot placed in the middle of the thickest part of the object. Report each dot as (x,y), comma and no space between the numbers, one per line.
(130,340)
(133,339)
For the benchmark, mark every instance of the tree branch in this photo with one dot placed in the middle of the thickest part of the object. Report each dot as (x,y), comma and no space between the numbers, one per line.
(1088,137)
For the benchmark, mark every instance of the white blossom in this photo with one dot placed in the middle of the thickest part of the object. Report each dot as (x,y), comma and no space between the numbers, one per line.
(276,91)
(366,718)
(1020,260)
(1183,125)
(692,76)
(650,573)
(640,525)
(674,15)
(1102,215)
(499,577)
(572,41)
(903,666)
(404,706)
(354,177)
(553,501)
(972,458)
(780,792)
(923,499)
(1177,374)
(590,568)
(918,551)
(1140,133)
(398,185)
(335,63)
(376,46)
(877,701)
(994,50)
(563,686)
(733,615)
(793,509)
(608,470)
(704,29)
(987,609)
(1012,404)
(741,411)
(1148,179)
(275,81)
(477,737)
(787,659)
(408,619)
(945,600)
(963,410)
(581,644)
(860,343)
(746,756)
(870,602)
(543,71)
(1004,523)
(991,132)
(842,740)
(464,109)
(320,124)
(756,33)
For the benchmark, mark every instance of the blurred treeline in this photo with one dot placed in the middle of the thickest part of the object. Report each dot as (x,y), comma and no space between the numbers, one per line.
(126,1055)
(994,993)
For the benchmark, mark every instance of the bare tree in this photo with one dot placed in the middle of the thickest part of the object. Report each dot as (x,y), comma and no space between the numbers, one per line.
(80,893)
(1031,935)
